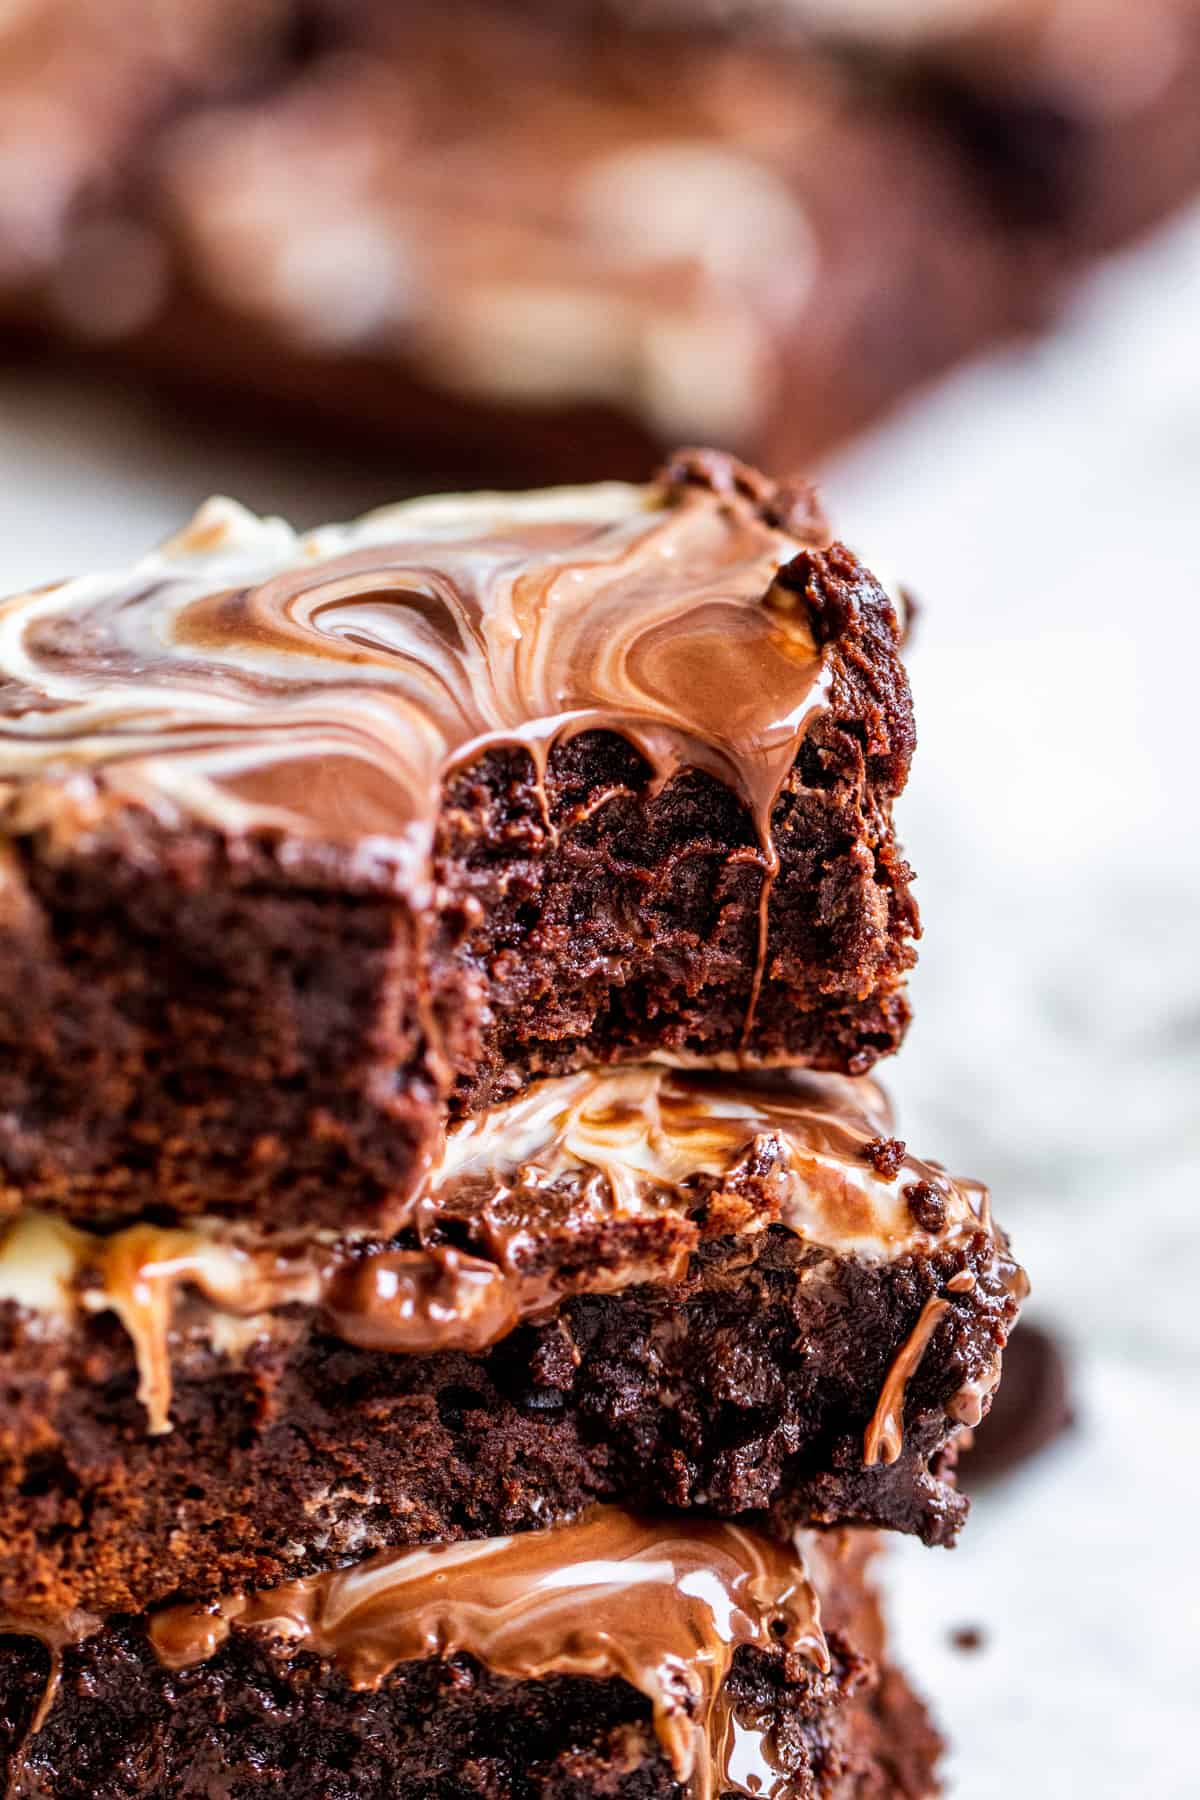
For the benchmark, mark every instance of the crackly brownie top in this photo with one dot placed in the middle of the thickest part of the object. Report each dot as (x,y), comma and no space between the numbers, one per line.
(320,686)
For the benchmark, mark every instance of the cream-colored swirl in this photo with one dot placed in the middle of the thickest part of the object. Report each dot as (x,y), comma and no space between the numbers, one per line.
(322,686)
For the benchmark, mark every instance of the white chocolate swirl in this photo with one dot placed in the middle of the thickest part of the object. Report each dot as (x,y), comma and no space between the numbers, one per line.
(322,686)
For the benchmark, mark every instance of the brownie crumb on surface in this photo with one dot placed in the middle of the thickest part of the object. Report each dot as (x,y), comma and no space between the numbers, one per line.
(885,1155)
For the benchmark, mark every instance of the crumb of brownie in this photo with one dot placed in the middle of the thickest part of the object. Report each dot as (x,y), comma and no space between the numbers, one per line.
(885,1155)
(926,1205)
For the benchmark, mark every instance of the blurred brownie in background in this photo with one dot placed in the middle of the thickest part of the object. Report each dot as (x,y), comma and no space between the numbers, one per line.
(1080,115)
(1037,1408)
(505,247)
(81,87)
(532,242)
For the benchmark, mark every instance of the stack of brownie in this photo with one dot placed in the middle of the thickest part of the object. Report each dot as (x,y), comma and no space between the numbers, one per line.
(465,1316)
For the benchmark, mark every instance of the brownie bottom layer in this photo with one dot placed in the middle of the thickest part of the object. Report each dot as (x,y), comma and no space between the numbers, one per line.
(125,1732)
(446,1729)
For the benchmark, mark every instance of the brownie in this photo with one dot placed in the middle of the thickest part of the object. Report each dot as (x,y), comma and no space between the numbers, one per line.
(612,1657)
(1079,116)
(660,1289)
(351,222)
(309,842)
(498,247)
(82,90)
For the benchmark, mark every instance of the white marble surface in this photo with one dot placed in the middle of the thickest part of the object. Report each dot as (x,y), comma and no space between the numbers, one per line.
(1046,505)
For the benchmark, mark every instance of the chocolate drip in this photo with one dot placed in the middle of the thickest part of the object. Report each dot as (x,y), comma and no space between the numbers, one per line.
(55,1635)
(883,1439)
(51,1266)
(587,1183)
(660,1606)
(884,1436)
(326,685)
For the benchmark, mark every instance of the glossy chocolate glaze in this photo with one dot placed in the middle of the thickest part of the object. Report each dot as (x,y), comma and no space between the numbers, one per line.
(323,686)
(663,1606)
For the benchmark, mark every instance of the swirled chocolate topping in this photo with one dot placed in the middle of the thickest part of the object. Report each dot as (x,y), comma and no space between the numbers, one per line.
(662,1606)
(322,686)
(587,1183)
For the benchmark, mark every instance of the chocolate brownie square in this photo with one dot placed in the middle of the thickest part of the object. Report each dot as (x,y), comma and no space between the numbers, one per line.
(650,1287)
(307,843)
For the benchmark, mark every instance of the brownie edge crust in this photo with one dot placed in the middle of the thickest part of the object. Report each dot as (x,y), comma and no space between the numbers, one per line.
(339,861)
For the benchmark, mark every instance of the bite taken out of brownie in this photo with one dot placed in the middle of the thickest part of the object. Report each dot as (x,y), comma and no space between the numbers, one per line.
(307,843)
(741,1298)
(617,1656)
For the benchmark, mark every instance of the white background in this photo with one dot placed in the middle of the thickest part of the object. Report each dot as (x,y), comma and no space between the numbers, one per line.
(1046,507)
